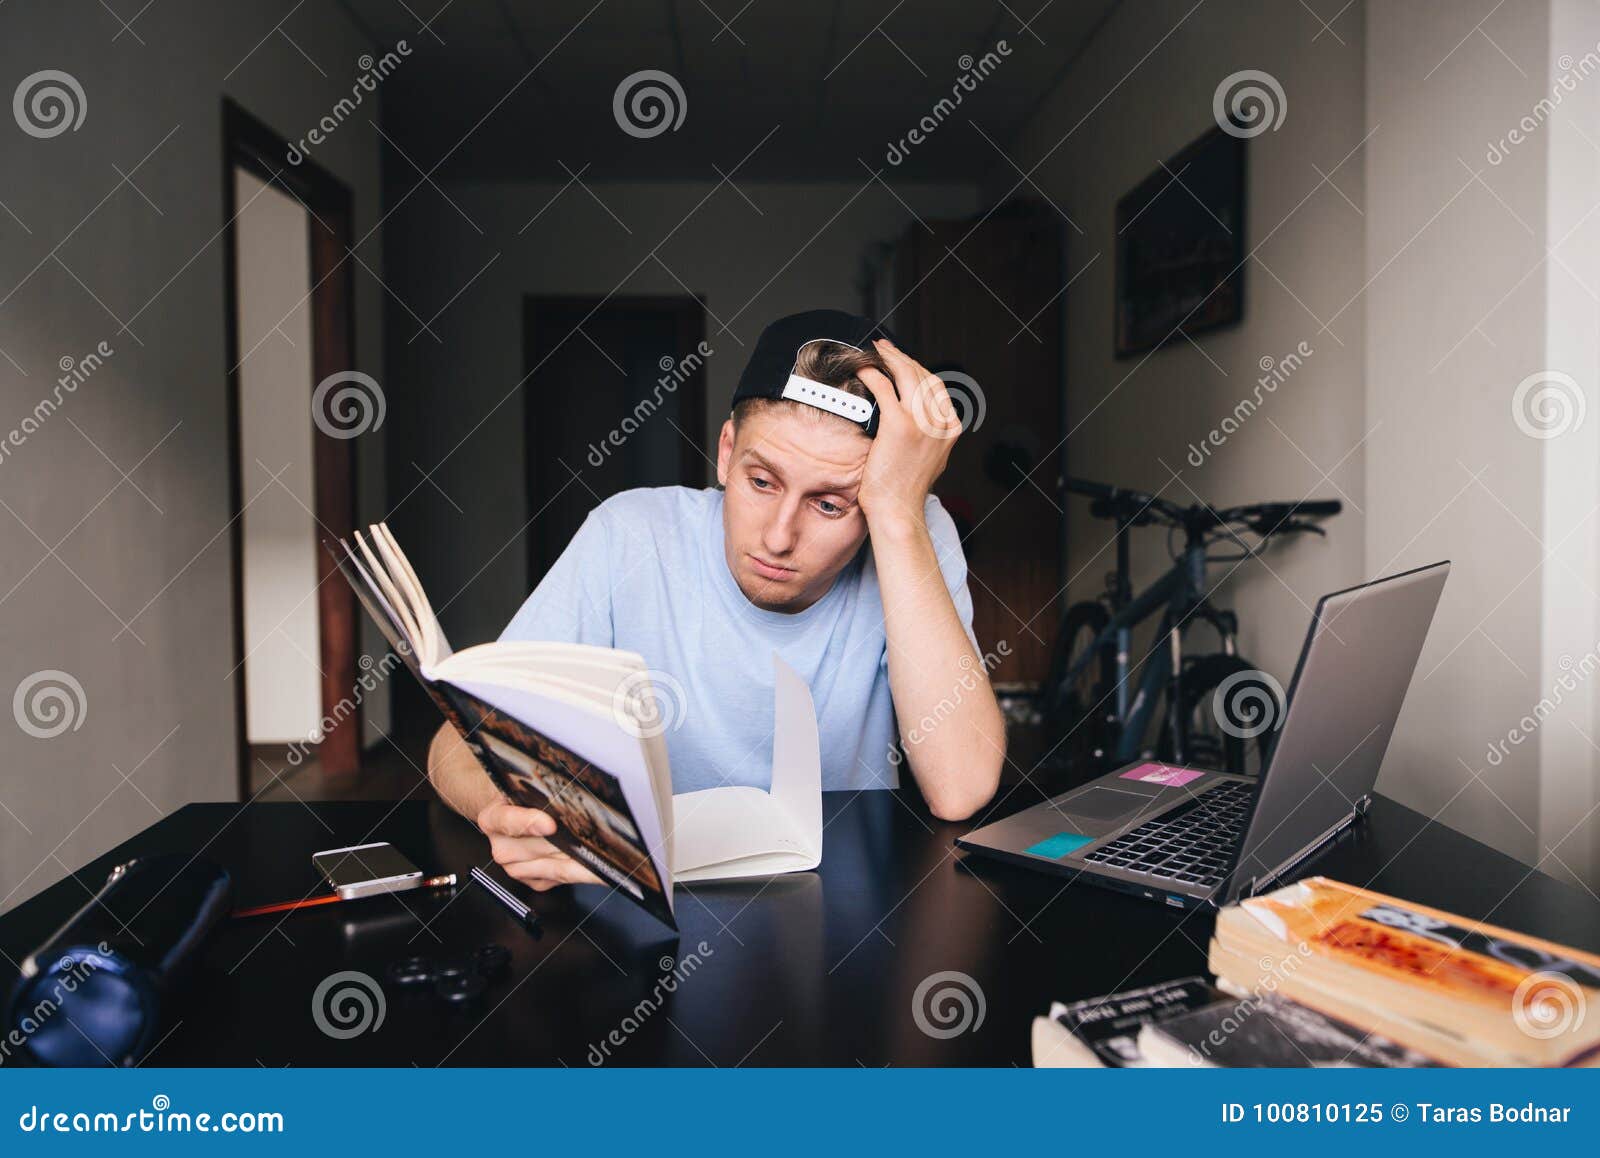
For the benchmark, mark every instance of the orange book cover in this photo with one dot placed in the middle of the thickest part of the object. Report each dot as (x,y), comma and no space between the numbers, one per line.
(1545,987)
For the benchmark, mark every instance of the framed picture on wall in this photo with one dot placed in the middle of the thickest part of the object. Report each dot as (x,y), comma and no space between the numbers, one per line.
(1180,247)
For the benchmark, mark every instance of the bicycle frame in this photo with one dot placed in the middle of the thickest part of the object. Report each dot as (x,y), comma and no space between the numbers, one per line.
(1180,595)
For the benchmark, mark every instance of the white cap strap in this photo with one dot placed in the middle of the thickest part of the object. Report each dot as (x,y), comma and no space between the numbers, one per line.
(829,398)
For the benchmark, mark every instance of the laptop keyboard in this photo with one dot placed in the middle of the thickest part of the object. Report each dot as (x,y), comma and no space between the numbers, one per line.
(1192,844)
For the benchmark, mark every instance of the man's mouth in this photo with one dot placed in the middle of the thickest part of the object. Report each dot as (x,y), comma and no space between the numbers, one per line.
(770,570)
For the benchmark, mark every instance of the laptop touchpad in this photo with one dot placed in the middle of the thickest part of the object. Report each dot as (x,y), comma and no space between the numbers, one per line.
(1103,804)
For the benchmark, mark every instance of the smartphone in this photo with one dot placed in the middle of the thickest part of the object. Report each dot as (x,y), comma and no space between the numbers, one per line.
(365,870)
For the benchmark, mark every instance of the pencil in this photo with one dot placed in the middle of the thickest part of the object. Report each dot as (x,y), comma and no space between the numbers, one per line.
(333,898)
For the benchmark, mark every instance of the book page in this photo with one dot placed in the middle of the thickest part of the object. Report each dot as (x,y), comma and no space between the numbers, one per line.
(425,615)
(396,600)
(734,831)
(371,584)
(406,580)
(601,666)
(739,830)
(796,755)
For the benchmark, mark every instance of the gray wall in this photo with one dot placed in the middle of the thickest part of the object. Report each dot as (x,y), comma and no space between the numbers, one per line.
(1417,272)
(158,703)
(1482,260)
(1132,422)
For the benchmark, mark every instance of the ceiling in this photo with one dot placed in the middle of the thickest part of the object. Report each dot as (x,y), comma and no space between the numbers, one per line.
(512,89)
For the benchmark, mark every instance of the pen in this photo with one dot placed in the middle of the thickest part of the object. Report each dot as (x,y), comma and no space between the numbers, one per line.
(525,916)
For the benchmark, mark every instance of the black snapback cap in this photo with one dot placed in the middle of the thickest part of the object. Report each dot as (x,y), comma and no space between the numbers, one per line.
(770,371)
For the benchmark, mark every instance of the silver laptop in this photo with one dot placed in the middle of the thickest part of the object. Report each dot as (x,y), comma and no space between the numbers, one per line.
(1190,837)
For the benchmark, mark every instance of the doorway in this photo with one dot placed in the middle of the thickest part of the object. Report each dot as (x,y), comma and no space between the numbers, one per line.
(289,315)
(614,399)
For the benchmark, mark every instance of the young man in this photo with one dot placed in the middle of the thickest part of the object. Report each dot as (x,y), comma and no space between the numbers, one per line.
(822,544)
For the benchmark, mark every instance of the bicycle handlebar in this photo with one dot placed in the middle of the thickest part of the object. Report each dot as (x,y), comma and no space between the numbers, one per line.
(1120,502)
(1093,490)
(1138,507)
(1315,509)
(1275,513)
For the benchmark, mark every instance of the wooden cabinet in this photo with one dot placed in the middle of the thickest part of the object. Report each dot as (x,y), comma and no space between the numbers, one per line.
(985,297)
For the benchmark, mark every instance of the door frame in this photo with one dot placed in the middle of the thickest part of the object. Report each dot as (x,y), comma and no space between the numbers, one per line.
(689,314)
(247,143)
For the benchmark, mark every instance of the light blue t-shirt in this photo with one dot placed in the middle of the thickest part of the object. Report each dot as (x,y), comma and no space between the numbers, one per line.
(647,573)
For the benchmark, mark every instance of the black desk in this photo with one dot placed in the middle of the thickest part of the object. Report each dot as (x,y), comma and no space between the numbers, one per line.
(816,968)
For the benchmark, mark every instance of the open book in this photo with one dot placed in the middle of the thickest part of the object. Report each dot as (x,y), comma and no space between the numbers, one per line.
(576,731)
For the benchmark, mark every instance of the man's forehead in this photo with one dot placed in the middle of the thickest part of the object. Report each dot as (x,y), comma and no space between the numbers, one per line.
(805,448)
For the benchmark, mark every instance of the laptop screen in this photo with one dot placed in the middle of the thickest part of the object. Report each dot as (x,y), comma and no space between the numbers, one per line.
(1357,663)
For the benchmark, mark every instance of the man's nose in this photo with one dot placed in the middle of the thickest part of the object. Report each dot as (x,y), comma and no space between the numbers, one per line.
(779,536)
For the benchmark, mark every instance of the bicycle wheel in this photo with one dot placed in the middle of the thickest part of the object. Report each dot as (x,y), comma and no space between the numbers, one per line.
(1078,715)
(1233,711)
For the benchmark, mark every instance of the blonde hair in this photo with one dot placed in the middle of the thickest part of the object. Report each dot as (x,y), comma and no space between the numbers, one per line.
(831,363)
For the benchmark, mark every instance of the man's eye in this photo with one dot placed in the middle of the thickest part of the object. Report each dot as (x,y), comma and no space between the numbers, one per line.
(830,509)
(759,483)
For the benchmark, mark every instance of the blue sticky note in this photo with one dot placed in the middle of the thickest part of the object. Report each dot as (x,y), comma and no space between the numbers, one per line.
(1059,845)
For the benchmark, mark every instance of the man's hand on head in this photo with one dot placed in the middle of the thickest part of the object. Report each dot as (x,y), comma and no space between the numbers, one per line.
(519,840)
(917,427)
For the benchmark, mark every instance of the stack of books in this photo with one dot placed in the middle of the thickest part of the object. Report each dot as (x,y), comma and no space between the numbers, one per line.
(1320,973)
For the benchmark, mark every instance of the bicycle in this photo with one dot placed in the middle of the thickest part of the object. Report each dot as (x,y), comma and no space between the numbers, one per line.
(1095,720)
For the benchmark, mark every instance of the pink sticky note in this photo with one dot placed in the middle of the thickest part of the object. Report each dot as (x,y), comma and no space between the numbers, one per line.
(1162,774)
